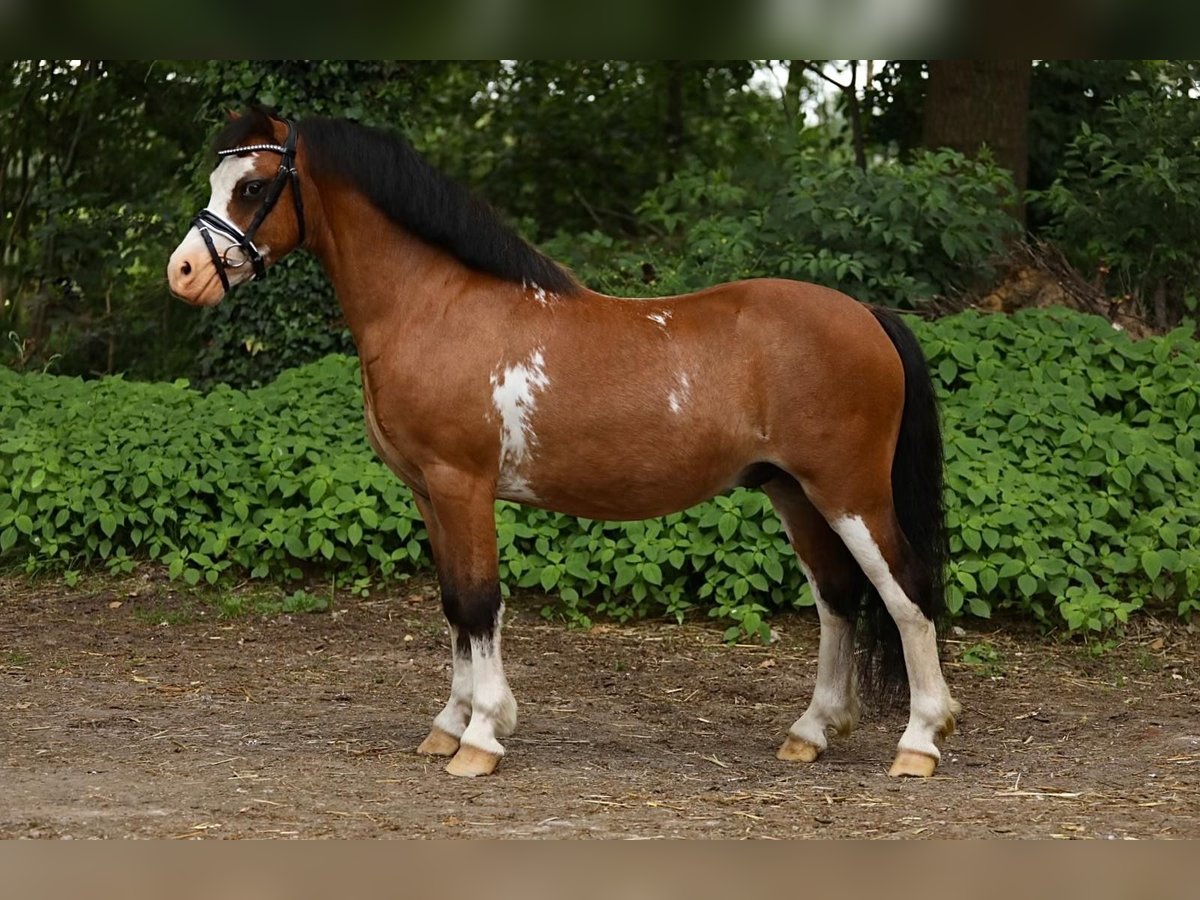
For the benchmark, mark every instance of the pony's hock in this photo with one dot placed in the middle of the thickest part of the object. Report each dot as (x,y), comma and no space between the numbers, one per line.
(488,372)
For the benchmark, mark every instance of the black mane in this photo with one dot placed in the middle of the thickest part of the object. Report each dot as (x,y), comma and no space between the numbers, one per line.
(415,195)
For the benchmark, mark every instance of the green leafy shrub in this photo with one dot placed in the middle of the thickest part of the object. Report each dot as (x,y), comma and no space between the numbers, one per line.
(1072,486)
(1127,202)
(288,320)
(104,471)
(897,234)
(1071,466)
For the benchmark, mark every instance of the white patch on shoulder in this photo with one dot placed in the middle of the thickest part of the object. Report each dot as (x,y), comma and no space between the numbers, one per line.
(514,395)
(539,293)
(661,317)
(681,394)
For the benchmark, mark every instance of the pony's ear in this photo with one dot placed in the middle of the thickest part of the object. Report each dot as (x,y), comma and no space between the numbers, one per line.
(232,115)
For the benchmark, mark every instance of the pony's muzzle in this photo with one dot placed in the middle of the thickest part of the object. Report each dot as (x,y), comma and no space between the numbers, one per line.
(191,276)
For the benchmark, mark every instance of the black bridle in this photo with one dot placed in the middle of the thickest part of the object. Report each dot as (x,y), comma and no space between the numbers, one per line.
(207,221)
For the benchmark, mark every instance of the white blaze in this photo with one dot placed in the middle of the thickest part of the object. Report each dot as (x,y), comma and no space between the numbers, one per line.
(223,180)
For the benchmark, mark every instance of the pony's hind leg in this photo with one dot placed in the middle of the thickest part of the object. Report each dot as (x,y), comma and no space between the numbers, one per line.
(883,552)
(837,586)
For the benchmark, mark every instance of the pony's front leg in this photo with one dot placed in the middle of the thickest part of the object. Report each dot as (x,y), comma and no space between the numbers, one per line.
(465,554)
(451,722)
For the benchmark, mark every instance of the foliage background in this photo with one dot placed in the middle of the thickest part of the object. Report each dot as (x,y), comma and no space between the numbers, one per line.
(1070,454)
(635,172)
(1072,481)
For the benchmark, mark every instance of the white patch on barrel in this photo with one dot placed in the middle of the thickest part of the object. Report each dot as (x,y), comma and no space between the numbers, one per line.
(679,396)
(514,396)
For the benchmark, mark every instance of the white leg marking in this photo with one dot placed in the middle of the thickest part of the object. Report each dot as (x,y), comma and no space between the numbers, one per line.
(456,714)
(493,707)
(834,701)
(931,707)
(514,396)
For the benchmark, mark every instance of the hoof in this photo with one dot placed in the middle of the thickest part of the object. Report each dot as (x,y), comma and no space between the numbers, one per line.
(909,763)
(439,743)
(796,750)
(470,762)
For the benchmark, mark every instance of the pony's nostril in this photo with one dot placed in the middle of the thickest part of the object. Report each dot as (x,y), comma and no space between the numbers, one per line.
(186,268)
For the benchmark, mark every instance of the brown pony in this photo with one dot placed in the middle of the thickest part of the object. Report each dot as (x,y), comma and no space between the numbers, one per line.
(489,372)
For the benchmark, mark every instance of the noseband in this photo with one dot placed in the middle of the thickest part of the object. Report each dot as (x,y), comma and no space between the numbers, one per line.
(207,221)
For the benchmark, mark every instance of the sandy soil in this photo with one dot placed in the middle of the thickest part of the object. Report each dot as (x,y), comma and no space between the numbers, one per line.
(129,709)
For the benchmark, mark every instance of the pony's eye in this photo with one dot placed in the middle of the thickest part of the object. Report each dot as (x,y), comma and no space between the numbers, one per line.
(253,188)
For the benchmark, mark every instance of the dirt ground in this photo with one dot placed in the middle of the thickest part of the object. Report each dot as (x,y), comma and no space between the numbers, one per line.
(129,710)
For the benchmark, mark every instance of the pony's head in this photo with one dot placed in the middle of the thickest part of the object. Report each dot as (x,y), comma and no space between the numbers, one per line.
(250,222)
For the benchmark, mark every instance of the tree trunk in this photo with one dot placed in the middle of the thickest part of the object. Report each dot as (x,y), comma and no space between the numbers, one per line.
(855,116)
(972,102)
(1162,313)
(791,90)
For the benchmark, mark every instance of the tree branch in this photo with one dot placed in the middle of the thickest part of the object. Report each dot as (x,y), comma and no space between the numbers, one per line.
(853,111)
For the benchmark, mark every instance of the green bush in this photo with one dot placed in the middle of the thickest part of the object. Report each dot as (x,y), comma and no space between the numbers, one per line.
(288,320)
(1072,487)
(1127,202)
(897,234)
(1071,466)
(108,470)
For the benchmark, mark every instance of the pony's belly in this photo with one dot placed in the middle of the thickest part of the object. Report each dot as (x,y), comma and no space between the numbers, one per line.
(643,472)
(617,498)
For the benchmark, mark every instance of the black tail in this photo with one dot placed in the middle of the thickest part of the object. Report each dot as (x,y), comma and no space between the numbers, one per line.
(917,496)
